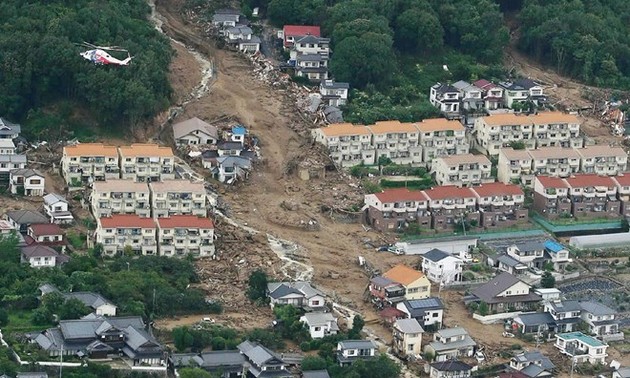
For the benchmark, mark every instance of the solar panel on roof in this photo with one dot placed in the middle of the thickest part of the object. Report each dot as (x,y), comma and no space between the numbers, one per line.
(421,303)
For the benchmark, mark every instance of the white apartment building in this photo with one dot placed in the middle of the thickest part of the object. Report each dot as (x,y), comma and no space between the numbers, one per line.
(120,197)
(462,170)
(396,141)
(120,231)
(603,160)
(348,145)
(181,235)
(514,166)
(146,162)
(555,161)
(7,147)
(88,162)
(439,137)
(178,197)
(557,129)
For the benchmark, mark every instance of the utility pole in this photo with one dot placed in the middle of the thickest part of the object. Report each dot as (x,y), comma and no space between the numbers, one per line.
(61,360)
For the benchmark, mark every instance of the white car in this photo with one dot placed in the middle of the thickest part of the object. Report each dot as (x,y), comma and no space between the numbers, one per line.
(480,357)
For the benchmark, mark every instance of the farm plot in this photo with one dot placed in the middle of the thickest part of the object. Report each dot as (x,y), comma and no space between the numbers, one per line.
(601,290)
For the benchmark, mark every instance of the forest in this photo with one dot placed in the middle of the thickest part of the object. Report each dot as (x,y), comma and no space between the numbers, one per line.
(43,78)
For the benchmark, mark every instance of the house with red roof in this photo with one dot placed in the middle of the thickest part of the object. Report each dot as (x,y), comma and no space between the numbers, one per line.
(290,33)
(551,197)
(593,196)
(49,234)
(491,93)
(180,235)
(500,205)
(120,231)
(450,206)
(396,209)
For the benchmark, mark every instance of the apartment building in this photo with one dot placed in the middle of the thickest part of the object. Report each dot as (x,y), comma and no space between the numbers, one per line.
(121,231)
(603,160)
(462,170)
(120,197)
(88,162)
(557,129)
(514,166)
(500,205)
(178,197)
(395,209)
(551,197)
(348,145)
(396,141)
(623,193)
(593,196)
(555,161)
(146,162)
(450,205)
(181,235)
(439,137)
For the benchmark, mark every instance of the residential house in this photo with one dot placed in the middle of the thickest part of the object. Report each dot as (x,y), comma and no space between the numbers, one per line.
(7,147)
(470,95)
(194,131)
(6,228)
(48,234)
(530,253)
(311,66)
(11,162)
(451,206)
(29,374)
(181,235)
(290,33)
(95,301)
(522,90)
(450,369)
(551,197)
(532,364)
(315,374)
(226,363)
(41,256)
(600,318)
(515,166)
(310,45)
(57,208)
(555,161)
(385,292)
(88,162)
(397,209)
(603,160)
(505,292)
(559,255)
(407,337)
(230,148)
(347,144)
(416,284)
(120,197)
(593,196)
(446,98)
(429,312)
(500,205)
(146,162)
(320,324)
(299,294)
(237,134)
(120,231)
(28,182)
(231,168)
(623,193)
(349,351)
(581,348)
(225,18)
(621,372)
(491,93)
(334,93)
(536,323)
(450,344)
(557,129)
(549,294)
(441,267)
(20,220)
(9,130)
(507,263)
(396,141)
(101,337)
(439,137)
(178,197)
(462,170)
(566,314)
(242,38)
(261,362)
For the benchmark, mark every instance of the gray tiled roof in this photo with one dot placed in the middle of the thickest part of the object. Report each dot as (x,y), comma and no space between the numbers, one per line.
(467,342)
(32,374)
(331,84)
(13,158)
(52,198)
(26,217)
(509,261)
(532,370)
(408,326)
(435,255)
(535,356)
(596,308)
(38,250)
(258,354)
(8,128)
(315,374)
(282,291)
(451,365)
(26,172)
(530,246)
(536,318)
(495,286)
(452,332)
(89,299)
(319,318)
(565,306)
(358,344)
(184,128)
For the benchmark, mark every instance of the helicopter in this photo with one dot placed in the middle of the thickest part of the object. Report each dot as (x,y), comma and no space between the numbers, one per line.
(99,55)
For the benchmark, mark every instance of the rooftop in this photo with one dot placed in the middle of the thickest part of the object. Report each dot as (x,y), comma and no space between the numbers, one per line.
(118,185)
(185,221)
(452,332)
(177,186)
(512,154)
(544,118)
(587,180)
(565,306)
(385,127)
(38,250)
(358,344)
(597,309)
(400,195)
(53,198)
(552,182)
(451,160)
(602,151)
(494,287)
(554,153)
(408,326)
(145,150)
(403,274)
(126,221)
(343,129)
(622,180)
(507,119)
(497,189)
(448,192)
(300,30)
(26,217)
(45,229)
(436,255)
(439,124)
(184,128)
(451,365)
(90,149)
(315,374)
(588,340)
(426,303)
(319,318)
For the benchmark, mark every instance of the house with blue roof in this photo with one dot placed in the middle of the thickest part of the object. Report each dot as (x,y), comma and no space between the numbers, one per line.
(558,253)
(581,348)
(238,134)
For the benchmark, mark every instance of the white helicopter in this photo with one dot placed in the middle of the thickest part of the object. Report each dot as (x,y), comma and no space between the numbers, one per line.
(99,55)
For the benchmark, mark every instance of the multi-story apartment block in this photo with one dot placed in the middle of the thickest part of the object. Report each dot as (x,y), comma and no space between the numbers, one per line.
(491,94)
(555,161)
(623,193)
(439,137)
(450,205)
(500,205)
(551,197)
(396,141)
(121,231)
(178,197)
(147,162)
(462,170)
(396,209)
(514,166)
(86,162)
(603,160)
(120,197)
(181,235)
(557,129)
(593,196)
(348,145)
(446,98)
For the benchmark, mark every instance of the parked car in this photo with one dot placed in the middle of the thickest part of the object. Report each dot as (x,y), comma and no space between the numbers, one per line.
(480,356)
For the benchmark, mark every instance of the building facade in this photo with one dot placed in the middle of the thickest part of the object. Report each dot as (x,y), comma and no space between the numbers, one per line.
(181,235)
(120,197)
(178,197)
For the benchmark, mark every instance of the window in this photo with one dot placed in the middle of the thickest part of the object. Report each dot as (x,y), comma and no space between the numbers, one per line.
(317,329)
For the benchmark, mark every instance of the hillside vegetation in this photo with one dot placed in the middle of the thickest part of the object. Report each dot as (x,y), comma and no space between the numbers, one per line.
(40,66)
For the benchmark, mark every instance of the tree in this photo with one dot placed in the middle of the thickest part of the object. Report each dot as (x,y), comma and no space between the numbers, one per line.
(483,308)
(182,338)
(193,373)
(418,30)
(357,327)
(360,26)
(4,317)
(381,367)
(257,285)
(313,363)
(548,280)
(73,309)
